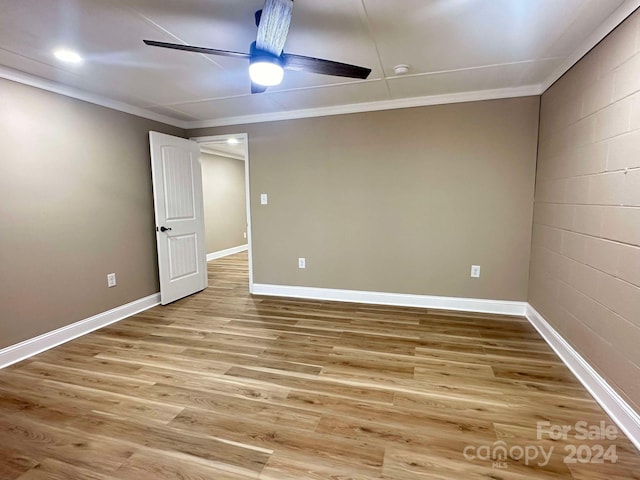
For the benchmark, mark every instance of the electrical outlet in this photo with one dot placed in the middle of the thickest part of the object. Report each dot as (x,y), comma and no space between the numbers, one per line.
(264,199)
(244,234)
(302,263)
(111,280)
(475,271)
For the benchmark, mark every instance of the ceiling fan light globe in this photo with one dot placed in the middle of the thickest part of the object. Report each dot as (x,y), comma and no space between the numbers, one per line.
(266,72)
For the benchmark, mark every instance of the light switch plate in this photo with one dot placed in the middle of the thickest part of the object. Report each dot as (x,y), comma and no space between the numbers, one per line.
(475,271)
(264,199)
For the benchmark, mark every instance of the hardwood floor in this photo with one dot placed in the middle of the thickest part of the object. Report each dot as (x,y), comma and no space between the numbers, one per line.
(225,386)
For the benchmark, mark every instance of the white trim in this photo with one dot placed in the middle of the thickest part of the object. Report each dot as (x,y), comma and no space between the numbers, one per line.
(43,84)
(617,17)
(616,407)
(397,299)
(33,346)
(525,91)
(611,402)
(220,138)
(247,188)
(220,153)
(604,29)
(227,252)
(244,138)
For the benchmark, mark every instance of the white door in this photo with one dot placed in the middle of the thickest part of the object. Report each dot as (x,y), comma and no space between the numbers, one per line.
(177,195)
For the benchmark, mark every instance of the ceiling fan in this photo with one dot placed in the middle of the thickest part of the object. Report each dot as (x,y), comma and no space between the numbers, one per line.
(267,61)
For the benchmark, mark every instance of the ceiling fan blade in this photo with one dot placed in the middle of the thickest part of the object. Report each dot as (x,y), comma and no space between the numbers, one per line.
(325,67)
(189,48)
(274,25)
(255,88)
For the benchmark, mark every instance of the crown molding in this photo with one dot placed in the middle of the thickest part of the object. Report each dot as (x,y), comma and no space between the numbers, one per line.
(604,29)
(220,153)
(475,96)
(43,84)
(615,19)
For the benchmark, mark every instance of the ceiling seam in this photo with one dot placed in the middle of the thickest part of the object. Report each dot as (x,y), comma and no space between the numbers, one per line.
(164,30)
(266,94)
(364,14)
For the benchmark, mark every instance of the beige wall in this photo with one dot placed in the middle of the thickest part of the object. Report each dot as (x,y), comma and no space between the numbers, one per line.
(225,212)
(75,204)
(397,201)
(585,270)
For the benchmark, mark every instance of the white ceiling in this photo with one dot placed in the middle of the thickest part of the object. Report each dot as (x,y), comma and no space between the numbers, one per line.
(457,50)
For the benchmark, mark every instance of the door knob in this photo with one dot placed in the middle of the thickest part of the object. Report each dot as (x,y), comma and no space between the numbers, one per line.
(165,229)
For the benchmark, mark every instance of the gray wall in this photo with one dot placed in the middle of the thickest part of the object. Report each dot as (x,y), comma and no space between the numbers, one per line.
(75,204)
(225,211)
(585,269)
(397,201)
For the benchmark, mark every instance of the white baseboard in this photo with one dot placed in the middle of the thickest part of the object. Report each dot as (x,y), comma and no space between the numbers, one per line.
(33,346)
(227,252)
(616,407)
(396,299)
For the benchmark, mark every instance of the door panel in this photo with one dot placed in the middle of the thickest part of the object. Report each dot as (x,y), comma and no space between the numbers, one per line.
(178,180)
(183,256)
(177,191)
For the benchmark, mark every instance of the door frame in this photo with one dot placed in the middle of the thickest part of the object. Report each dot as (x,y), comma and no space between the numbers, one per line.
(244,137)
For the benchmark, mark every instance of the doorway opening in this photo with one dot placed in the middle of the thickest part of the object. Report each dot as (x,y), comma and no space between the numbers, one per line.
(225,178)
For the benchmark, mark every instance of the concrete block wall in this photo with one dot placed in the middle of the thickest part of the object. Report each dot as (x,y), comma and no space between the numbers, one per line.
(585,267)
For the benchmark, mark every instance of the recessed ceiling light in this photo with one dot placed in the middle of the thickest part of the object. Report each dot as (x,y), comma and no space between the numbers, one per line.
(233,141)
(68,56)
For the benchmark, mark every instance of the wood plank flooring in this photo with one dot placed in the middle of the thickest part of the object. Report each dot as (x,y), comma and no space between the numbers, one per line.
(225,386)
